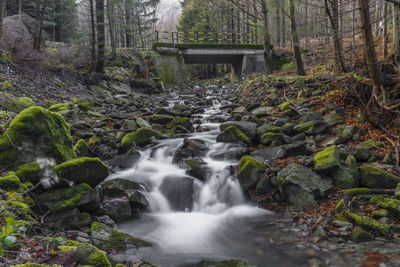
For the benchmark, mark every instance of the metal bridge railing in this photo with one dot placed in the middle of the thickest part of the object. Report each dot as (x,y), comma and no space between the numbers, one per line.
(206,37)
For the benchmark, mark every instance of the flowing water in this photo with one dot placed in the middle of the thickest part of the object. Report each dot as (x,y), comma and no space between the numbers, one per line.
(190,220)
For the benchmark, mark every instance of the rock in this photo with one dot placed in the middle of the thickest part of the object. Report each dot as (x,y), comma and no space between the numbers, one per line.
(392,205)
(81,148)
(268,138)
(105,219)
(90,255)
(239,110)
(311,127)
(320,233)
(197,168)
(81,196)
(191,148)
(373,177)
(83,170)
(335,140)
(301,186)
(233,135)
(40,134)
(129,125)
(264,186)
(141,137)
(182,122)
(288,128)
(340,223)
(13,103)
(122,162)
(117,187)
(377,214)
(118,209)
(60,107)
(362,154)
(30,172)
(294,149)
(161,119)
(345,177)
(333,119)
(137,201)
(268,154)
(235,152)
(142,123)
(327,160)
(262,111)
(268,128)
(348,131)
(10,182)
(179,192)
(310,116)
(284,106)
(249,172)
(369,145)
(248,128)
(359,235)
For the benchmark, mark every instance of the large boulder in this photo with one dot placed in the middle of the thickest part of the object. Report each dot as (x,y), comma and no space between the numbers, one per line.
(92,256)
(36,133)
(179,192)
(83,170)
(118,187)
(373,177)
(81,196)
(248,128)
(140,137)
(119,209)
(191,148)
(249,172)
(233,135)
(301,186)
(13,103)
(327,160)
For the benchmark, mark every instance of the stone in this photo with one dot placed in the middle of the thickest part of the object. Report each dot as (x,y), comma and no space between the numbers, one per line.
(191,148)
(239,110)
(83,170)
(373,177)
(90,255)
(310,116)
(118,209)
(268,154)
(360,235)
(268,138)
(140,137)
(197,168)
(36,133)
(233,135)
(333,119)
(161,119)
(129,125)
(81,148)
(377,214)
(30,172)
(284,106)
(335,140)
(249,172)
(311,127)
(345,177)
(262,111)
(268,128)
(369,145)
(179,192)
(117,187)
(362,155)
(264,186)
(137,201)
(294,149)
(327,160)
(122,162)
(182,122)
(10,182)
(248,128)
(142,123)
(301,186)
(15,104)
(81,196)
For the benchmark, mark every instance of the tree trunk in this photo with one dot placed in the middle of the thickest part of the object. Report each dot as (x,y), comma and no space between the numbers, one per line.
(385,30)
(295,40)
(333,15)
(396,32)
(267,41)
(128,24)
(93,36)
(278,26)
(283,27)
(1,17)
(111,27)
(100,35)
(369,45)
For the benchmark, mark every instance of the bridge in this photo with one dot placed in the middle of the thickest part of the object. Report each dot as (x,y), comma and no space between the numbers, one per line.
(242,51)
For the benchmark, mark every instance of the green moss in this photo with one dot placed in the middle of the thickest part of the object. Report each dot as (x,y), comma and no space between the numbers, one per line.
(59,107)
(357,191)
(180,107)
(13,103)
(340,206)
(84,104)
(359,235)
(81,148)
(247,163)
(238,134)
(161,118)
(368,223)
(374,177)
(29,172)
(268,138)
(88,254)
(10,182)
(327,160)
(34,133)
(181,121)
(284,106)
(95,141)
(391,205)
(140,137)
(370,144)
(64,199)
(338,217)
(83,170)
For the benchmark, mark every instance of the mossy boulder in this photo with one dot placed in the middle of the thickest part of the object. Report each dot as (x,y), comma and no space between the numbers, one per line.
(327,160)
(311,127)
(268,128)
(81,196)
(182,122)
(59,107)
(90,255)
(373,177)
(30,172)
(161,119)
(84,104)
(35,133)
(81,148)
(142,123)
(301,187)
(284,106)
(107,238)
(91,171)
(13,103)
(345,177)
(360,235)
(196,167)
(10,182)
(268,138)
(392,205)
(370,144)
(233,135)
(249,172)
(118,187)
(140,137)
(263,111)
(248,128)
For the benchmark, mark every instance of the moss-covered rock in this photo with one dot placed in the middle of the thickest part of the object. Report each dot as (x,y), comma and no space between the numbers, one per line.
(108,238)
(233,135)
(268,128)
(95,141)
(373,177)
(90,255)
(91,171)
(118,187)
(29,172)
(140,137)
(360,235)
(284,106)
(82,196)
(268,138)
(161,119)
(301,186)
(13,103)
(196,168)
(182,122)
(311,127)
(392,205)
(84,104)
(370,144)
(368,223)
(35,133)
(340,206)
(59,107)
(327,160)
(249,172)
(345,177)
(81,148)
(10,182)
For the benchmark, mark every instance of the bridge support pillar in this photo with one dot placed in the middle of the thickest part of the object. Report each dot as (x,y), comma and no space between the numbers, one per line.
(236,74)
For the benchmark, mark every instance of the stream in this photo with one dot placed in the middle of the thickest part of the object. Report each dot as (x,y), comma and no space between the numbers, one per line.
(191,220)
